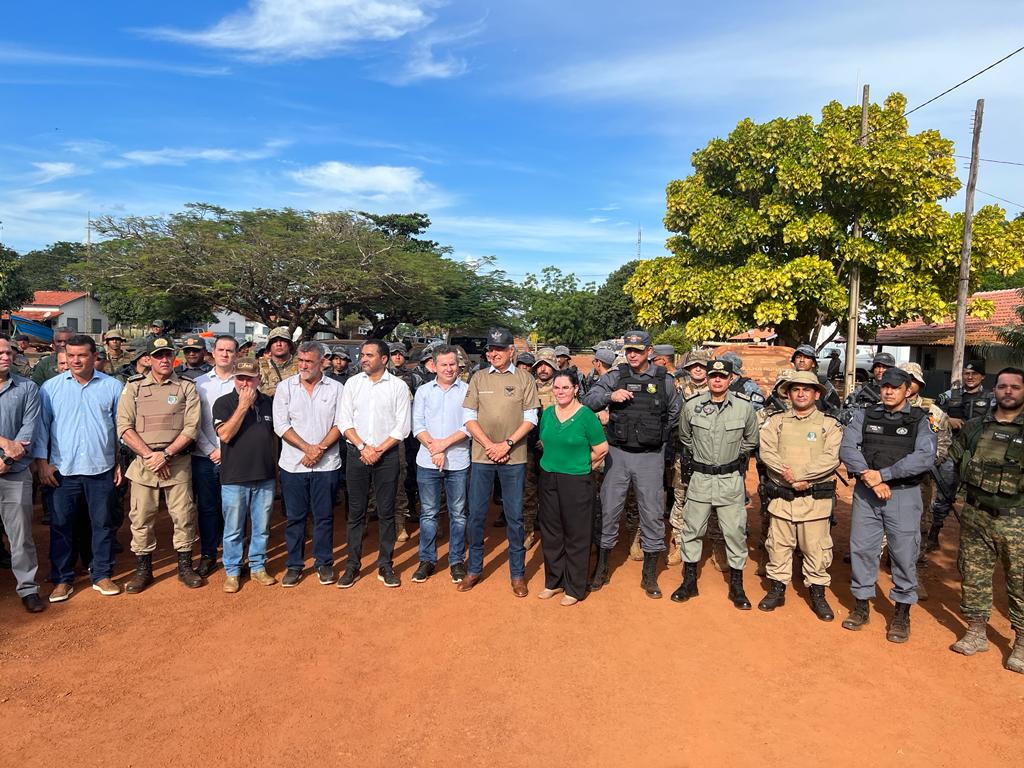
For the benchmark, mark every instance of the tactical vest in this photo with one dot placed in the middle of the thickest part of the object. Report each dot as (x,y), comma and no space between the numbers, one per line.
(971,405)
(885,441)
(739,385)
(546,393)
(991,468)
(160,412)
(640,424)
(802,440)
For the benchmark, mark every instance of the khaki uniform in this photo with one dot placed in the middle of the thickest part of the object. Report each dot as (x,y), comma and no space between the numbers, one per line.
(675,518)
(546,394)
(273,373)
(159,413)
(809,445)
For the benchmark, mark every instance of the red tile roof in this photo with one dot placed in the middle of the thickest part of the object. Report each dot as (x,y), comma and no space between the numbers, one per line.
(54,298)
(39,315)
(979,330)
(755,334)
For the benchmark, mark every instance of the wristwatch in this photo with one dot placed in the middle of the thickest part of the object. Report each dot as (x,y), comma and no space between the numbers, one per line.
(510,444)
(360,447)
(7,460)
(167,456)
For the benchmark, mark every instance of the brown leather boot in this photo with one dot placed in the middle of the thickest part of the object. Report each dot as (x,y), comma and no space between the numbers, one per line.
(143,575)
(974,640)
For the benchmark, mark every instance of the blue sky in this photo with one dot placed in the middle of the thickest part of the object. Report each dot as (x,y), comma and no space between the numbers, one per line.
(537,132)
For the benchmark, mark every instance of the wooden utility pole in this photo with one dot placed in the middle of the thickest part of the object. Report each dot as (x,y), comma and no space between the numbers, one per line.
(959,336)
(853,310)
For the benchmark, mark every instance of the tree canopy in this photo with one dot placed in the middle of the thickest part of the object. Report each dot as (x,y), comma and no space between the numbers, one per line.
(15,291)
(763,228)
(294,268)
(49,268)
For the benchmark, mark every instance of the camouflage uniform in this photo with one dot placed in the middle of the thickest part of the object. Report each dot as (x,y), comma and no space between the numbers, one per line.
(545,392)
(989,455)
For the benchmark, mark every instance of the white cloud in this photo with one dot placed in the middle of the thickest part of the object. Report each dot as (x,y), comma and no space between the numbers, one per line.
(184,155)
(52,171)
(18,55)
(295,29)
(335,184)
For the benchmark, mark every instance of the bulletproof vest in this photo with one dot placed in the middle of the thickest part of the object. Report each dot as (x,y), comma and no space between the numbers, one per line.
(546,393)
(885,441)
(739,385)
(991,469)
(868,393)
(971,405)
(160,411)
(640,424)
(802,440)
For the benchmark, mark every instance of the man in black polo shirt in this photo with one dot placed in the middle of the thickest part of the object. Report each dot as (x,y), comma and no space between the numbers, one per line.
(244,420)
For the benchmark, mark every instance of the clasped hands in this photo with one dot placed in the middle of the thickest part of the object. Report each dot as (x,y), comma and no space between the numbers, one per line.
(872,478)
(797,485)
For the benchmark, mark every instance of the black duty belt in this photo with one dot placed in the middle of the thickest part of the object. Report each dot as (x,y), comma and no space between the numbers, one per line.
(974,501)
(718,469)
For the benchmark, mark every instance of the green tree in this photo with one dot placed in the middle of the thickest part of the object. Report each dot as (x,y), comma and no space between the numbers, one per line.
(764,229)
(615,311)
(558,308)
(15,291)
(53,268)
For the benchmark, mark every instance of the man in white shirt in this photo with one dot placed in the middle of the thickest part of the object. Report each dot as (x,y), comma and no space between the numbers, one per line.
(306,410)
(218,381)
(374,418)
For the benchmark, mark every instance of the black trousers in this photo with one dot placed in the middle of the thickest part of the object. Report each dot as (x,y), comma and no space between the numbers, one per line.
(566,520)
(384,477)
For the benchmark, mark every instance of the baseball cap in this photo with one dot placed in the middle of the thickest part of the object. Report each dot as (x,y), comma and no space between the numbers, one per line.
(193,342)
(157,324)
(697,357)
(664,349)
(500,337)
(606,355)
(720,367)
(894,377)
(883,358)
(160,345)
(562,351)
(396,348)
(978,366)
(247,366)
(636,340)
(526,358)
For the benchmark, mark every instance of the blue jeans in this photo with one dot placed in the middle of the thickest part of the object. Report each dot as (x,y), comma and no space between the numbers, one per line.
(481,481)
(206,486)
(242,501)
(305,494)
(429,481)
(96,491)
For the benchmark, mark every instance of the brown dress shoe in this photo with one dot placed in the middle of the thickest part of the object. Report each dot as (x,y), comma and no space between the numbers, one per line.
(468,582)
(519,588)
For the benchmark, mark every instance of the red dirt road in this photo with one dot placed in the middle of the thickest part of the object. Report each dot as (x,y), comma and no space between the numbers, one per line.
(423,676)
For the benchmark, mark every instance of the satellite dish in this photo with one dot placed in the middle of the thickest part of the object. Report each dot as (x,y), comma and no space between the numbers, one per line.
(297,334)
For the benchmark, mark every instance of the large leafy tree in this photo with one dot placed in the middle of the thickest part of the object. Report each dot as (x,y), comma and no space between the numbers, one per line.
(558,308)
(51,268)
(763,228)
(15,291)
(615,311)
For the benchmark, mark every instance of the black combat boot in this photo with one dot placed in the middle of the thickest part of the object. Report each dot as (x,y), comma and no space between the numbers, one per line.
(736,593)
(601,572)
(899,627)
(931,543)
(143,575)
(775,598)
(688,588)
(186,575)
(859,616)
(649,579)
(819,604)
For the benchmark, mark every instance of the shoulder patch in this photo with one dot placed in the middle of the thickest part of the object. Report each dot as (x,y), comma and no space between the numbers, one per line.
(137,377)
(693,397)
(742,396)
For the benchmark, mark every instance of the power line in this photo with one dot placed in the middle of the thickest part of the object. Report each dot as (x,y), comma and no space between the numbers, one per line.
(1003,199)
(988,160)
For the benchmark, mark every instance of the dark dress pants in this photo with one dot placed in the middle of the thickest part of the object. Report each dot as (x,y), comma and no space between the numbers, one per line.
(358,478)
(566,520)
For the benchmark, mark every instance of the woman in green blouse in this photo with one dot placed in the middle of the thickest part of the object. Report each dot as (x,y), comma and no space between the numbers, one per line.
(573,444)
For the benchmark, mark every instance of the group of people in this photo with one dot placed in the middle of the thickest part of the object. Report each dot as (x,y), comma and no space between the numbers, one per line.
(564,454)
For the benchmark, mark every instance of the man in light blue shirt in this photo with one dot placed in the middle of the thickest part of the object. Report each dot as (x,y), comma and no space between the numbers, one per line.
(76,449)
(443,457)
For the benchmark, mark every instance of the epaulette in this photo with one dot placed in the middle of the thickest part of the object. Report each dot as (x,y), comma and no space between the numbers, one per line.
(137,377)
(742,396)
(691,397)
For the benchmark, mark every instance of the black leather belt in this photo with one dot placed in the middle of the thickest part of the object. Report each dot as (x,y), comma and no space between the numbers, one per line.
(717,469)
(974,501)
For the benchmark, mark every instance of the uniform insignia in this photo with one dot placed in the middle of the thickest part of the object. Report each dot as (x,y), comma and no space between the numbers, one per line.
(812,437)
(633,387)
(137,377)
(510,391)
(496,335)
(172,399)
(652,388)
(902,430)
(876,428)
(708,410)
(160,342)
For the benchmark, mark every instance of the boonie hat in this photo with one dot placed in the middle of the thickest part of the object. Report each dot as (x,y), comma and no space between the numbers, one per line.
(806,350)
(247,366)
(113,333)
(526,358)
(137,348)
(801,377)
(500,337)
(281,332)
(157,324)
(697,357)
(546,355)
(915,372)
(736,360)
(894,377)
(396,348)
(720,367)
(636,340)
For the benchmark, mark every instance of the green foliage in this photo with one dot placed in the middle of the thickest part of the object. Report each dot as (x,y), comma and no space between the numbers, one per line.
(15,291)
(993,280)
(676,336)
(50,268)
(615,313)
(764,228)
(1013,335)
(558,308)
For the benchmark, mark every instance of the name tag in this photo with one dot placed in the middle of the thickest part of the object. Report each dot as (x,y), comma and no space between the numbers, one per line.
(875,429)
(1000,437)
(633,387)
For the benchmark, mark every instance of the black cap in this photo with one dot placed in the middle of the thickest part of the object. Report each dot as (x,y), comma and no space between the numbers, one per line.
(720,367)
(500,337)
(883,358)
(894,377)
(978,366)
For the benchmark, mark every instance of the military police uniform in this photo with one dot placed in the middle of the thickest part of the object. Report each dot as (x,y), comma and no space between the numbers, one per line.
(809,445)
(990,457)
(901,446)
(680,479)
(159,413)
(272,372)
(717,440)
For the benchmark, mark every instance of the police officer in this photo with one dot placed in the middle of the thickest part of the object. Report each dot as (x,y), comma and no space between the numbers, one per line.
(158,418)
(804,358)
(869,394)
(643,407)
(117,355)
(741,384)
(525,361)
(889,448)
(989,452)
(544,367)
(974,401)
(665,356)
(157,330)
(21,364)
(193,349)
(564,358)
(341,366)
(137,360)
(426,369)
(799,448)
(718,432)
(279,362)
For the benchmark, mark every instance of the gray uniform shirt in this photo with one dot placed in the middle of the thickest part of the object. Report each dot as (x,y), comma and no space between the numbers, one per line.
(717,435)
(916,463)
(19,414)
(600,394)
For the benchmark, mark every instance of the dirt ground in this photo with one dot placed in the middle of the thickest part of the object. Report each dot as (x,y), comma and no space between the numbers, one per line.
(423,675)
